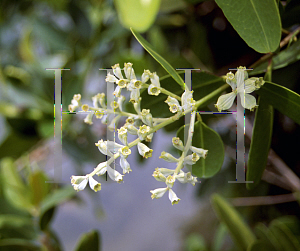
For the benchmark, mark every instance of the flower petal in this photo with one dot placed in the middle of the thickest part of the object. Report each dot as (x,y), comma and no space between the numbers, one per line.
(158,193)
(248,102)
(225,101)
(173,197)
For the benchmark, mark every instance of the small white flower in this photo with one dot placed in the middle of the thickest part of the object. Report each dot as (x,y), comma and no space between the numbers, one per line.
(187,101)
(125,151)
(125,165)
(111,78)
(129,72)
(134,95)
(117,91)
(191,159)
(173,104)
(102,146)
(117,71)
(113,174)
(89,119)
(145,76)
(186,178)
(113,146)
(144,150)
(158,193)
(143,131)
(242,85)
(147,117)
(153,90)
(168,157)
(158,175)
(201,152)
(122,135)
(177,143)
(170,181)
(120,102)
(94,185)
(165,171)
(132,129)
(79,182)
(173,197)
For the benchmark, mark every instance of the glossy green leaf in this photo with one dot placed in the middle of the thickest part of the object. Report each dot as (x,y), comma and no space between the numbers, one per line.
(138,14)
(261,139)
(206,138)
(282,99)
(148,47)
(240,232)
(257,22)
(14,189)
(282,59)
(89,241)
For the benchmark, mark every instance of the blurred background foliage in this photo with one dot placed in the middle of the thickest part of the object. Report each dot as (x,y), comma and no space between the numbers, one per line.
(87,35)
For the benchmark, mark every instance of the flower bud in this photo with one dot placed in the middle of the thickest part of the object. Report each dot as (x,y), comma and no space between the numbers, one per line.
(144,150)
(159,176)
(168,157)
(122,135)
(158,193)
(177,143)
(129,72)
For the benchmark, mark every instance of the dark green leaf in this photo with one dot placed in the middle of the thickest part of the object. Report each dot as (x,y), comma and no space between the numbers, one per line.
(18,244)
(206,138)
(240,232)
(257,22)
(260,246)
(148,47)
(260,143)
(39,187)
(263,233)
(282,99)
(282,59)
(90,241)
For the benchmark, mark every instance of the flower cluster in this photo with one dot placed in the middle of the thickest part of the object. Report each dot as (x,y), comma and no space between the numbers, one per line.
(242,85)
(142,126)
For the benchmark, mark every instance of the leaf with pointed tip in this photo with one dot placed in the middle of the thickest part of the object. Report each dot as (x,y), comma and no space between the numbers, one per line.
(89,241)
(148,47)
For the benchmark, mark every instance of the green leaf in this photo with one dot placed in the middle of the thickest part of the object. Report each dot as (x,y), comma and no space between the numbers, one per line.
(148,47)
(138,14)
(15,226)
(240,232)
(260,246)
(206,138)
(14,189)
(263,233)
(89,241)
(19,244)
(285,237)
(282,59)
(53,200)
(257,22)
(39,187)
(282,99)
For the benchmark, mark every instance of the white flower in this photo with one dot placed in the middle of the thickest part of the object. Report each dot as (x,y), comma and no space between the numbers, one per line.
(187,101)
(154,88)
(129,72)
(186,178)
(170,181)
(120,102)
(199,151)
(177,143)
(240,84)
(117,71)
(89,119)
(168,157)
(113,174)
(79,182)
(158,193)
(147,117)
(132,129)
(102,146)
(144,150)
(173,197)
(134,95)
(146,76)
(125,165)
(165,171)
(158,175)
(94,185)
(122,135)
(191,159)
(143,131)
(173,104)
(125,151)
